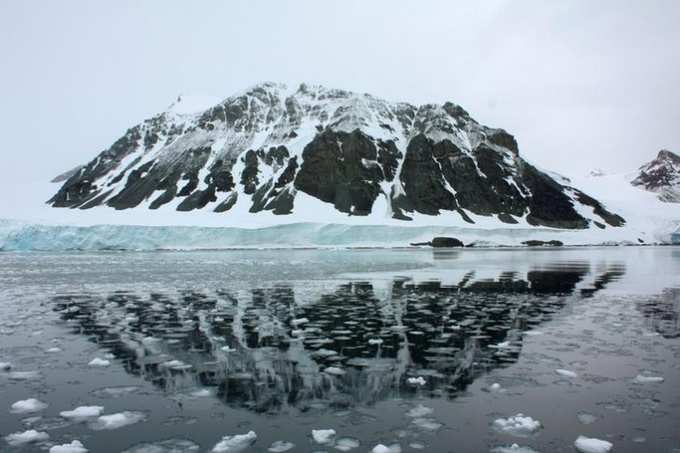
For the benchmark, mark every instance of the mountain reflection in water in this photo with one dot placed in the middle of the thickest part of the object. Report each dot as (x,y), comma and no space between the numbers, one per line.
(356,343)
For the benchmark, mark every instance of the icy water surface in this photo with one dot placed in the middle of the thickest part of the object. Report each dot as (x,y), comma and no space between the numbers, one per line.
(417,350)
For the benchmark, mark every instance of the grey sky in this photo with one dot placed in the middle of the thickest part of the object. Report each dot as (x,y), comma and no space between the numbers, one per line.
(581,84)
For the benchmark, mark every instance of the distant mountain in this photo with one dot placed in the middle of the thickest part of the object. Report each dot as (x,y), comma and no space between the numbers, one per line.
(284,150)
(661,175)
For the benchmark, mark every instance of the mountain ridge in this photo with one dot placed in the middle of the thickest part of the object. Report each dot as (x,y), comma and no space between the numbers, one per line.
(271,147)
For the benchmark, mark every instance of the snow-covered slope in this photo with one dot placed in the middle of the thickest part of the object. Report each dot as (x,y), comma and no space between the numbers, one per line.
(277,154)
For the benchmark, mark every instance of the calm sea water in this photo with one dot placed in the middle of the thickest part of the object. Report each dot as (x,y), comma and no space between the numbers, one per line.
(420,349)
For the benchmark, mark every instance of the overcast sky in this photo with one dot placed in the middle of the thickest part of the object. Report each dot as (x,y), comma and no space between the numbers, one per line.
(581,84)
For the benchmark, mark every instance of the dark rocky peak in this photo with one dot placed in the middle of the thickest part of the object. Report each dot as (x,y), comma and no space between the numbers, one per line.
(661,175)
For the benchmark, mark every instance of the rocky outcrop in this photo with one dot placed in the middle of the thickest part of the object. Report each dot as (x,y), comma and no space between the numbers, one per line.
(661,175)
(266,146)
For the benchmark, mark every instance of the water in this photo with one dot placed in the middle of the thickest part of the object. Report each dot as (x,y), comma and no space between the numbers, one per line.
(420,348)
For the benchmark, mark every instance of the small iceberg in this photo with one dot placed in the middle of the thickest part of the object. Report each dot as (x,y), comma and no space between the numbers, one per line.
(647,379)
(589,445)
(26,437)
(82,412)
(165,446)
(514,448)
(517,425)
(280,446)
(419,411)
(566,373)
(416,381)
(115,421)
(380,448)
(99,362)
(346,444)
(375,341)
(335,371)
(323,436)
(74,447)
(235,443)
(27,406)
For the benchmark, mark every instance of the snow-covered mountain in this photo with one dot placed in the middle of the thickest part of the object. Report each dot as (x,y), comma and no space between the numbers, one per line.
(317,154)
(662,176)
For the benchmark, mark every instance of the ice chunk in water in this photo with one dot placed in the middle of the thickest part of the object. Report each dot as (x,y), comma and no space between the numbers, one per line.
(27,406)
(346,444)
(52,351)
(428,424)
(115,421)
(165,446)
(591,445)
(299,322)
(495,387)
(566,373)
(586,418)
(647,379)
(517,425)
(83,412)
(280,446)
(514,448)
(323,436)
(380,448)
(26,437)
(23,375)
(416,381)
(97,361)
(334,371)
(375,341)
(419,411)
(74,447)
(5,366)
(235,443)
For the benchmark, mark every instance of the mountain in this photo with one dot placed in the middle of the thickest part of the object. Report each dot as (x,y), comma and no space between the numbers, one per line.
(661,175)
(326,152)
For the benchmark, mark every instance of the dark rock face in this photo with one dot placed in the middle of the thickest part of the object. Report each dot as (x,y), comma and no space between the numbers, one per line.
(264,147)
(538,243)
(443,241)
(661,175)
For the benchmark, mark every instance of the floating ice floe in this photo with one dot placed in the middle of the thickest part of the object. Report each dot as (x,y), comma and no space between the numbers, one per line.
(416,381)
(590,445)
(495,387)
(27,406)
(427,424)
(533,332)
(5,366)
(235,443)
(53,350)
(176,365)
(334,371)
(417,446)
(514,448)
(566,373)
(74,447)
(647,379)
(323,436)
(419,411)
(280,446)
(97,361)
(346,444)
(375,341)
(23,375)
(299,322)
(115,421)
(586,418)
(226,349)
(380,448)
(202,393)
(165,446)
(26,437)
(502,345)
(82,412)
(517,425)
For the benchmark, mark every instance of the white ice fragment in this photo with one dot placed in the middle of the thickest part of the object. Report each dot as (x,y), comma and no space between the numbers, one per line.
(97,361)
(226,349)
(566,373)
(375,341)
(299,322)
(647,379)
(201,393)
(334,371)
(74,447)
(235,443)
(81,412)
(115,421)
(27,406)
(23,375)
(532,333)
(590,445)
(419,411)
(428,424)
(323,436)
(176,365)
(514,448)
(5,366)
(26,437)
(346,444)
(416,381)
(517,425)
(586,418)
(380,448)
(495,387)
(280,446)
(502,345)
(53,350)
